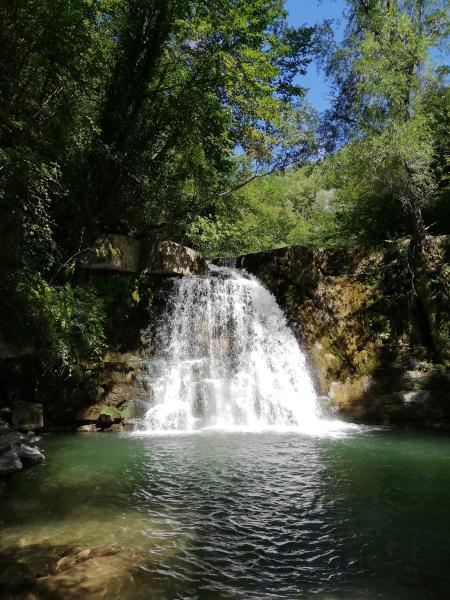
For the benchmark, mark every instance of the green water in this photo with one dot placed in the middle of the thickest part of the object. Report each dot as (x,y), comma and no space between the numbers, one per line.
(239,516)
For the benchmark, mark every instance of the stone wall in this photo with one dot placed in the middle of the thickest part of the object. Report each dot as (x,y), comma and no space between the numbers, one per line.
(377,349)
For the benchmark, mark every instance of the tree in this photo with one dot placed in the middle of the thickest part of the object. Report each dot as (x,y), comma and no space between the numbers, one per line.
(192,81)
(124,116)
(380,74)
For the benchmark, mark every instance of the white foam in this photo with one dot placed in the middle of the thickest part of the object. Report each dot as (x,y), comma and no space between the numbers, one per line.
(230,362)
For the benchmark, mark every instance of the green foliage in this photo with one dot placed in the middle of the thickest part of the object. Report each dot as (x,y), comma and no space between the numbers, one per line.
(123,116)
(371,177)
(270,212)
(436,103)
(183,92)
(382,82)
(63,325)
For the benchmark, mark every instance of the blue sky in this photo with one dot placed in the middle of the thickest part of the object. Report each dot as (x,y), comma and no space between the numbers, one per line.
(311,12)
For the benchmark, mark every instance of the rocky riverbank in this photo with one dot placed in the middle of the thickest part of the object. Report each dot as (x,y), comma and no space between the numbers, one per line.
(18,450)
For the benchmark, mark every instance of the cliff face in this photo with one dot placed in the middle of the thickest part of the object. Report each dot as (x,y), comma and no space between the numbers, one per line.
(378,341)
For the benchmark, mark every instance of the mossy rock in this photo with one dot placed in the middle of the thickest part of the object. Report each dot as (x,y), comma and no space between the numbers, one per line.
(113,412)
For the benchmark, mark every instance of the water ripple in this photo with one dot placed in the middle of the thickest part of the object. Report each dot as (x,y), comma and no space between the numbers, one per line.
(249,516)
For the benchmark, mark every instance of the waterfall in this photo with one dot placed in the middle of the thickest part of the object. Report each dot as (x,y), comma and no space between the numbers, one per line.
(228,359)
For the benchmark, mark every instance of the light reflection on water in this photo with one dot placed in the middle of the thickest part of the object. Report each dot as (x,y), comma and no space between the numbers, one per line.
(244,515)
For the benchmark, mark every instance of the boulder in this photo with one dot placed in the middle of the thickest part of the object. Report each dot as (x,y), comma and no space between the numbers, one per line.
(29,455)
(104,421)
(10,439)
(169,258)
(114,253)
(9,463)
(27,416)
(15,453)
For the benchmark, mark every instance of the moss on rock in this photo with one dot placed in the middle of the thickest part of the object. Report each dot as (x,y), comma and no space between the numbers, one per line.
(362,322)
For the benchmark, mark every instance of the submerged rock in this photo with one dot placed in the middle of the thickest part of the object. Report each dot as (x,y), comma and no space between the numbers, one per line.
(67,562)
(89,573)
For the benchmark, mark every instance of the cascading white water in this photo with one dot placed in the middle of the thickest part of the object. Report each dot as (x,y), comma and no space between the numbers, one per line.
(229,360)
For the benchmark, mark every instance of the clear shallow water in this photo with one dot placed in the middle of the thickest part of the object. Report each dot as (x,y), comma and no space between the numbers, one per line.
(241,516)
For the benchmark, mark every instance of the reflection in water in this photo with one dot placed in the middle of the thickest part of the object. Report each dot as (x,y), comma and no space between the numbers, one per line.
(234,516)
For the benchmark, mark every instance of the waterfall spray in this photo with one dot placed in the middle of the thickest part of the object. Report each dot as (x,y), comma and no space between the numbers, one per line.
(228,360)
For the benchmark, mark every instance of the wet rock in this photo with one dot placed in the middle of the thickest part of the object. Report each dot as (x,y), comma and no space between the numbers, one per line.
(27,416)
(354,314)
(351,390)
(9,463)
(87,429)
(128,426)
(5,415)
(121,393)
(104,420)
(115,428)
(29,455)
